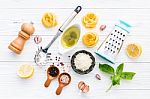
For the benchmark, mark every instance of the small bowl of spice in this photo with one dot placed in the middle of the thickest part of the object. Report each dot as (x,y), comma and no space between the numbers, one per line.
(52,73)
(64,79)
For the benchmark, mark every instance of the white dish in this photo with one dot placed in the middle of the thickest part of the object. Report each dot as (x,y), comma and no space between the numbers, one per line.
(61,48)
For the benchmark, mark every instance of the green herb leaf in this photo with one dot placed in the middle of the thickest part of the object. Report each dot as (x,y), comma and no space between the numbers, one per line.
(127,75)
(119,69)
(115,80)
(116,76)
(107,69)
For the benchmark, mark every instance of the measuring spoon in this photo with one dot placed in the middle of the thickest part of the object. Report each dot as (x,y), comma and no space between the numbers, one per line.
(52,73)
(64,80)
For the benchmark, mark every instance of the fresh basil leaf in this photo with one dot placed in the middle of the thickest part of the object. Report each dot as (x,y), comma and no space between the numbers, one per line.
(107,69)
(127,75)
(115,80)
(119,69)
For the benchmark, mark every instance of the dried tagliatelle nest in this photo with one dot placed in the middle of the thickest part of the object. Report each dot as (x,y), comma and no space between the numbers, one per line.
(49,20)
(90,20)
(90,39)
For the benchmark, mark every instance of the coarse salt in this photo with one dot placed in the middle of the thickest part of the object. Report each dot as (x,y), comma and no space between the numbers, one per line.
(83,61)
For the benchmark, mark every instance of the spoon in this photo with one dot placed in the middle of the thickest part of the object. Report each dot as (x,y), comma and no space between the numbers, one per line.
(64,80)
(52,73)
(40,56)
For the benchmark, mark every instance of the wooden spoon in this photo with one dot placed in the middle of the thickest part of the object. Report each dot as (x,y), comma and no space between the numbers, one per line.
(63,82)
(52,73)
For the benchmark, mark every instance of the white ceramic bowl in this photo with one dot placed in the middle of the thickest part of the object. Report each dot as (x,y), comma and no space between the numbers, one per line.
(61,48)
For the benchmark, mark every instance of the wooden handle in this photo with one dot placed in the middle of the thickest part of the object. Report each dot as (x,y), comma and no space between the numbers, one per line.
(47,82)
(59,89)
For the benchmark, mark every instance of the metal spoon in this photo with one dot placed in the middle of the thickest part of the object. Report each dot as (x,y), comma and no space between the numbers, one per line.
(40,56)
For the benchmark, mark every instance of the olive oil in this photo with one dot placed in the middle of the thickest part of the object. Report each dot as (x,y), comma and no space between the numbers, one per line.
(70,37)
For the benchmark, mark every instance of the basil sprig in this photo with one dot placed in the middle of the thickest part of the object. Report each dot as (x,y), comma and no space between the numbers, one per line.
(117,75)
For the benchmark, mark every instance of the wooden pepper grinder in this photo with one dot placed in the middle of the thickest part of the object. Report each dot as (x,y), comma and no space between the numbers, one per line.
(17,45)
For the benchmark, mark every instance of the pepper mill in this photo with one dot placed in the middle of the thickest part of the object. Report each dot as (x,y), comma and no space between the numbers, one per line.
(17,45)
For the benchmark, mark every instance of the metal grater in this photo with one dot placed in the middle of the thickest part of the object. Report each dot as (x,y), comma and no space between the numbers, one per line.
(111,46)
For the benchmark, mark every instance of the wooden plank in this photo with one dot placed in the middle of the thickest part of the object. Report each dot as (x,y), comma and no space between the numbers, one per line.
(30,48)
(11,22)
(139,86)
(50,93)
(73,3)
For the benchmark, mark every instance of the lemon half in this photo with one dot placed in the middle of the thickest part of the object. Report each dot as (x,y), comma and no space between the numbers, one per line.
(134,50)
(25,71)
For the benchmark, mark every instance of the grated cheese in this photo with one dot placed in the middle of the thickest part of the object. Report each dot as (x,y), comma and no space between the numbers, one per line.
(83,61)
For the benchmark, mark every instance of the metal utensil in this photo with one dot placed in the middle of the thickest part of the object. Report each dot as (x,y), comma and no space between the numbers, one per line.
(41,55)
(112,45)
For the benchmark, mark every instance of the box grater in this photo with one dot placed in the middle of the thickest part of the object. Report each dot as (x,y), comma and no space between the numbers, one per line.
(111,46)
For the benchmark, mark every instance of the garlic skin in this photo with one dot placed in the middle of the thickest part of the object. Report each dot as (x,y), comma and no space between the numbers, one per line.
(83,87)
(37,39)
(102,27)
(97,76)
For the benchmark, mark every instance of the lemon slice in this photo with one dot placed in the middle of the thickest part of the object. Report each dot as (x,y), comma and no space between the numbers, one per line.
(134,50)
(90,20)
(49,20)
(25,71)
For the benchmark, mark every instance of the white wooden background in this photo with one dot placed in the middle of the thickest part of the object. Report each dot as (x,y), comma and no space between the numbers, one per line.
(14,12)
